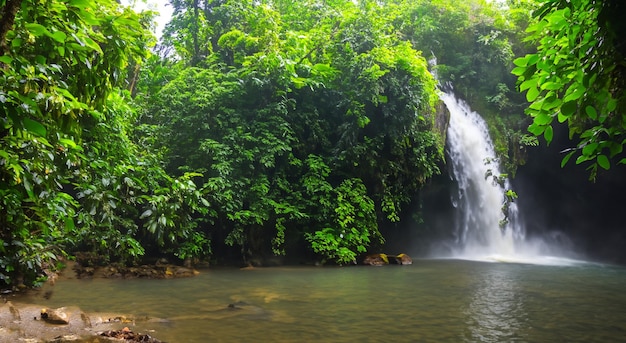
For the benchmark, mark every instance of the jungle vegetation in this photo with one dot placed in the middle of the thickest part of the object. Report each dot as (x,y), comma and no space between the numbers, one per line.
(269,127)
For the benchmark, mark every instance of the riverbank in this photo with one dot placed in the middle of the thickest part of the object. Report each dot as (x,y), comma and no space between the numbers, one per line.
(22,317)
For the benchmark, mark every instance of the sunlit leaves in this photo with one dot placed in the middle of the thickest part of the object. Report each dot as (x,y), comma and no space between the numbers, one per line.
(62,64)
(563,78)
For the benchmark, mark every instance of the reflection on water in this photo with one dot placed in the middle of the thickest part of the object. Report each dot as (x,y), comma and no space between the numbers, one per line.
(430,301)
(496,310)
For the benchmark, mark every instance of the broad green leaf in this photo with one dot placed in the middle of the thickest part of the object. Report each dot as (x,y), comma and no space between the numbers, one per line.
(536,129)
(521,61)
(575,94)
(590,149)
(532,94)
(611,105)
(581,159)
(591,112)
(518,71)
(16,42)
(548,134)
(6,59)
(37,29)
(34,127)
(551,85)
(527,84)
(59,36)
(603,161)
(68,143)
(543,118)
(569,108)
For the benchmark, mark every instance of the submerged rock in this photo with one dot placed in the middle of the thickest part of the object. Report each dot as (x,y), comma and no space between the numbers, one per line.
(55,316)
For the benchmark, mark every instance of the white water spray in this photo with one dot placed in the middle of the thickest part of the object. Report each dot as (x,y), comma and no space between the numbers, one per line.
(484,231)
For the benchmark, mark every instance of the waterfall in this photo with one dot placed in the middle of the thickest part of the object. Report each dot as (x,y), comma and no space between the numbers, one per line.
(484,231)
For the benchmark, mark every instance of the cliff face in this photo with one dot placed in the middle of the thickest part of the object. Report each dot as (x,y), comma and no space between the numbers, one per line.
(562,204)
(442,120)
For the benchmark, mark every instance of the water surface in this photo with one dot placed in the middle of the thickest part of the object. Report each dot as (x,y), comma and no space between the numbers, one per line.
(429,301)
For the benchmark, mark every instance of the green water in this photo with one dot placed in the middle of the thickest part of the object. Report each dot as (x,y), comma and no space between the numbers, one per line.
(429,301)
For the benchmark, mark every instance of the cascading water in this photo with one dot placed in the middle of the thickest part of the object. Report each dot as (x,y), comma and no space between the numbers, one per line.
(482,226)
(484,232)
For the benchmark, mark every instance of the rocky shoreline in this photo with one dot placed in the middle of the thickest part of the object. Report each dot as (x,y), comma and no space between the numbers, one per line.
(35,323)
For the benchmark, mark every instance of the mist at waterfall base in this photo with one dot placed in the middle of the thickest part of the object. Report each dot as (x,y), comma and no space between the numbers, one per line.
(484,230)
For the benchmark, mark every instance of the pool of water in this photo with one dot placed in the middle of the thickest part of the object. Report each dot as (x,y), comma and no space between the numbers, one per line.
(429,301)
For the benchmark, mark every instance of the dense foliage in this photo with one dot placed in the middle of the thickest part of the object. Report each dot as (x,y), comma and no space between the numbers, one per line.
(263,128)
(310,124)
(71,176)
(577,77)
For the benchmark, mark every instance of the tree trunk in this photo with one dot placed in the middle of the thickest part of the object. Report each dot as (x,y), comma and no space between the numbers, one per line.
(6,22)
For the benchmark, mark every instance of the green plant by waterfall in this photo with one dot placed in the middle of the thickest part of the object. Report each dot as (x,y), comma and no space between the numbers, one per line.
(576,77)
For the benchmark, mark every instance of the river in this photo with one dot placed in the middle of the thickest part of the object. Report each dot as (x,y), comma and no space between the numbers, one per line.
(429,301)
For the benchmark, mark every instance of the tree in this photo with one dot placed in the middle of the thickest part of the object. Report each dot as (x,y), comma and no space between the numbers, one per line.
(72,177)
(577,77)
(295,95)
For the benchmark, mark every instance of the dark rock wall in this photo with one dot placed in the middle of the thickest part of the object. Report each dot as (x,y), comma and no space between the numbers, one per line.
(562,203)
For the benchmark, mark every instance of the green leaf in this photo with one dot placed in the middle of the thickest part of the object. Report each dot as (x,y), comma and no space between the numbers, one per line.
(37,29)
(59,36)
(527,84)
(575,94)
(68,143)
(69,224)
(548,134)
(603,161)
(551,86)
(611,105)
(518,71)
(590,149)
(591,112)
(34,127)
(543,118)
(6,59)
(567,158)
(536,129)
(569,108)
(522,61)
(532,94)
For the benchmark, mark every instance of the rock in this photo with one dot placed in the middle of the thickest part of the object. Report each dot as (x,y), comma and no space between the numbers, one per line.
(129,336)
(14,312)
(55,316)
(403,259)
(376,260)
(65,338)
(382,259)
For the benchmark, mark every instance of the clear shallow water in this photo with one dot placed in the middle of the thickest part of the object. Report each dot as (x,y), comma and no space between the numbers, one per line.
(429,301)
